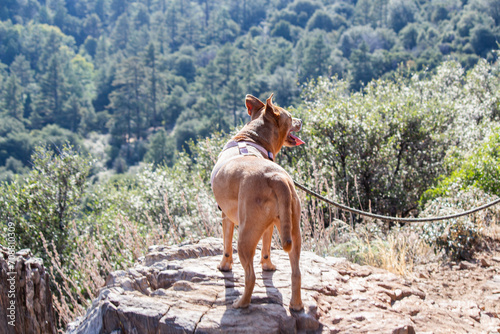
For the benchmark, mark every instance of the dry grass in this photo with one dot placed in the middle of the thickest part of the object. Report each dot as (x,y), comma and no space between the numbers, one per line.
(368,243)
(97,252)
(324,231)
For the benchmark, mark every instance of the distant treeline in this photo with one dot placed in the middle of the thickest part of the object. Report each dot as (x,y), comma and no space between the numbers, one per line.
(153,74)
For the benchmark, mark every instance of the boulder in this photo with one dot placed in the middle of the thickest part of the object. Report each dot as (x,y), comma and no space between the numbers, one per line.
(25,296)
(179,290)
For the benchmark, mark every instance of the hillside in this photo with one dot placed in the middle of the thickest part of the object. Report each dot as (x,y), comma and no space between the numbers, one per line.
(400,118)
(151,75)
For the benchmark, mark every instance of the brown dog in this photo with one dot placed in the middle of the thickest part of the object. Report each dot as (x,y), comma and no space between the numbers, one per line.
(258,194)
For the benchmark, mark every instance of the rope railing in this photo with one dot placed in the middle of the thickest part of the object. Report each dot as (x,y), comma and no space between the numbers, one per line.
(394,219)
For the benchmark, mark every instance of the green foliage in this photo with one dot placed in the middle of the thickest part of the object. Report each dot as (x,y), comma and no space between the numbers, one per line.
(383,147)
(321,20)
(161,149)
(316,58)
(478,169)
(409,36)
(125,68)
(361,67)
(483,40)
(46,200)
(282,29)
(400,13)
(458,237)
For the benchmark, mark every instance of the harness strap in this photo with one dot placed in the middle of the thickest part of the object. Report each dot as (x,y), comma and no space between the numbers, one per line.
(242,146)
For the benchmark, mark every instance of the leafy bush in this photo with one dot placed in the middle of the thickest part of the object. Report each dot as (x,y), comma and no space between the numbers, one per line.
(378,149)
(46,200)
(458,237)
(479,169)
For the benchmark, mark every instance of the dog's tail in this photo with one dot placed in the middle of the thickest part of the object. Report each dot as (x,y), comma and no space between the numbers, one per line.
(284,192)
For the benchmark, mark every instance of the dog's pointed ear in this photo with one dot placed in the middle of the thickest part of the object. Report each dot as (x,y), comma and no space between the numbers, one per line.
(270,106)
(253,104)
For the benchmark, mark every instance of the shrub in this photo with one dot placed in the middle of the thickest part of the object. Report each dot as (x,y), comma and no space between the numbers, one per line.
(479,169)
(47,199)
(380,148)
(458,237)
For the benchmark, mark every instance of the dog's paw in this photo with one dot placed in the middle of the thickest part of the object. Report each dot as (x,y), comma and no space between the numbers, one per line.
(240,303)
(296,306)
(268,266)
(225,267)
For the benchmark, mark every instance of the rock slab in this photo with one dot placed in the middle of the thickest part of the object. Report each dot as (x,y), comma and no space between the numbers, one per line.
(179,290)
(25,296)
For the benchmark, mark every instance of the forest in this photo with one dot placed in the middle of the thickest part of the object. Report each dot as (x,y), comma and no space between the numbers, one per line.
(139,79)
(113,112)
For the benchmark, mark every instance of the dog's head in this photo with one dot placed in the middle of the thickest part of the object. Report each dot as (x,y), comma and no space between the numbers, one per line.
(276,118)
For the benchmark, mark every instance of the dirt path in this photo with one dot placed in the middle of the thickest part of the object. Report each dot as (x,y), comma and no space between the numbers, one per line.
(470,289)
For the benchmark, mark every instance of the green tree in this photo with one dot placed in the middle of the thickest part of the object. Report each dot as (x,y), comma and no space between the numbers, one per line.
(409,35)
(227,61)
(232,96)
(173,106)
(127,104)
(121,33)
(284,84)
(483,40)
(316,58)
(210,79)
(13,100)
(400,13)
(92,26)
(21,67)
(10,45)
(282,29)
(440,13)
(47,200)
(360,67)
(304,10)
(321,20)
(185,67)
(467,22)
(53,94)
(117,7)
(161,149)
(250,64)
(150,58)
(362,12)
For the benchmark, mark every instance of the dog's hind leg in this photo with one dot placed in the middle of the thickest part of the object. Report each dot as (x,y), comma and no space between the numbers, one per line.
(265,258)
(247,243)
(227,231)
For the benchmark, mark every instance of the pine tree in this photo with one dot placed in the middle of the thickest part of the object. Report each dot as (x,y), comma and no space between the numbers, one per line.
(121,33)
(210,79)
(22,69)
(118,7)
(49,103)
(172,23)
(13,97)
(127,103)
(150,60)
(232,97)
(226,61)
(361,68)
(316,59)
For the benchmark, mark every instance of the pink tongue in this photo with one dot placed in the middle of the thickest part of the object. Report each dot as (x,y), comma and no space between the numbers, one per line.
(298,141)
